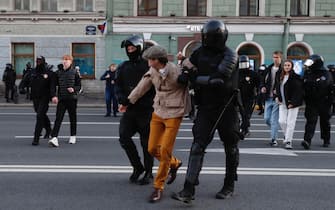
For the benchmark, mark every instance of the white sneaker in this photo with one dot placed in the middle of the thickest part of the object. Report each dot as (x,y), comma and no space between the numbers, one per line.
(288,145)
(53,142)
(72,140)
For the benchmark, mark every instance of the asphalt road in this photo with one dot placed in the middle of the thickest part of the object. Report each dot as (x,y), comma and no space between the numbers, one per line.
(93,174)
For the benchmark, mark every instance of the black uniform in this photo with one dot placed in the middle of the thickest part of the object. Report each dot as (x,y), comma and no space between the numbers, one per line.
(332,71)
(318,84)
(137,117)
(215,82)
(248,84)
(40,80)
(260,95)
(26,72)
(9,77)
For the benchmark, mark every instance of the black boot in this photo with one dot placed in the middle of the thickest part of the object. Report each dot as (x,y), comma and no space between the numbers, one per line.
(136,174)
(35,142)
(306,144)
(326,143)
(186,195)
(226,191)
(146,179)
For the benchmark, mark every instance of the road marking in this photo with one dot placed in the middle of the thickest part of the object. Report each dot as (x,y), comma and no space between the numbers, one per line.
(182,170)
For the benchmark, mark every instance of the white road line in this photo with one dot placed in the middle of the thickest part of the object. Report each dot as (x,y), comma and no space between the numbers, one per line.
(182,170)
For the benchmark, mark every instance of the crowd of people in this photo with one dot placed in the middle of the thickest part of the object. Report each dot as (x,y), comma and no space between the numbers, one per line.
(153,95)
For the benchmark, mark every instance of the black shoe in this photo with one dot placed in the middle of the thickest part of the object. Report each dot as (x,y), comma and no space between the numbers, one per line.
(35,142)
(261,112)
(135,175)
(156,196)
(326,143)
(306,145)
(225,192)
(146,179)
(107,115)
(114,115)
(47,134)
(173,173)
(183,196)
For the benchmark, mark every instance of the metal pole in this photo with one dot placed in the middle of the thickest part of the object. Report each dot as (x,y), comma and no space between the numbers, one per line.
(286,27)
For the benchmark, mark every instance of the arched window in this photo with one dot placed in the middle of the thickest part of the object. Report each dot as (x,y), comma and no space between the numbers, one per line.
(253,53)
(297,52)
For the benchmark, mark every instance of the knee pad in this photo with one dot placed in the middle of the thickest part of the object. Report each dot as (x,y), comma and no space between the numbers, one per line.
(197,149)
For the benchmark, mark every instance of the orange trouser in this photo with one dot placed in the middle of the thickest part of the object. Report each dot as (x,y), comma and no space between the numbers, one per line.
(163,134)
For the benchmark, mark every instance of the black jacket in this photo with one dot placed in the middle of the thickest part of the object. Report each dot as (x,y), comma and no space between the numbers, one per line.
(318,87)
(267,81)
(9,77)
(66,78)
(109,80)
(128,75)
(215,64)
(293,90)
(40,80)
(248,83)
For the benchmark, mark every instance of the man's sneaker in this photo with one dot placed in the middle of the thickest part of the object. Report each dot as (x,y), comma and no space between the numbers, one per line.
(288,145)
(305,144)
(274,143)
(183,196)
(225,192)
(53,142)
(72,140)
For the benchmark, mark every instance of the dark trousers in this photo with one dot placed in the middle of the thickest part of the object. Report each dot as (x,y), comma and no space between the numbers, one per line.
(71,106)
(228,130)
(41,107)
(312,112)
(9,88)
(111,98)
(130,123)
(248,105)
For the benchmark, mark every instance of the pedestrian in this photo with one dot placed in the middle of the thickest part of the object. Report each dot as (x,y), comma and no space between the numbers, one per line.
(260,95)
(268,87)
(26,73)
(172,102)
(290,98)
(137,117)
(68,82)
(40,80)
(9,77)
(332,71)
(248,84)
(110,97)
(318,85)
(212,68)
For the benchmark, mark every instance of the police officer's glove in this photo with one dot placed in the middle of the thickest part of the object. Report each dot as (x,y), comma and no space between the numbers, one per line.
(184,77)
(215,80)
(124,101)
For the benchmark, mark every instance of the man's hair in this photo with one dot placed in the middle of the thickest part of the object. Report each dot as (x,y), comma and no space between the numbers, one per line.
(278,52)
(67,57)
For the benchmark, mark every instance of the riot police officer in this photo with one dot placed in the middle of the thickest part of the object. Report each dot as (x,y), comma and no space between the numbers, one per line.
(41,80)
(137,117)
(318,84)
(212,70)
(248,84)
(332,71)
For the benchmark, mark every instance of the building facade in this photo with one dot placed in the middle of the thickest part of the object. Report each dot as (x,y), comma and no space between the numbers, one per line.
(256,28)
(52,28)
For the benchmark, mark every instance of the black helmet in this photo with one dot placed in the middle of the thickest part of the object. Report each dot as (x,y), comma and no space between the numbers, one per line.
(214,34)
(331,66)
(262,68)
(9,66)
(135,41)
(314,62)
(243,62)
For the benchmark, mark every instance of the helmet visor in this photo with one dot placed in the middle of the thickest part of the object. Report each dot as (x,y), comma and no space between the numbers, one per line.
(308,62)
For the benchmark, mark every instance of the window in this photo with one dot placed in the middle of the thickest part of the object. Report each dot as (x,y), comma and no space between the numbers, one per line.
(22,53)
(299,7)
(249,7)
(298,54)
(84,57)
(196,7)
(22,5)
(49,5)
(253,53)
(147,8)
(85,5)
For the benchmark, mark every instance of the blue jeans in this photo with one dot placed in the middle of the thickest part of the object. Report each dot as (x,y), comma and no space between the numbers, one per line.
(110,97)
(271,116)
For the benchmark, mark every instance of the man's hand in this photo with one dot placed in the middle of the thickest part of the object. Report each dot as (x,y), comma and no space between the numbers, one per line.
(70,89)
(122,108)
(54,100)
(263,90)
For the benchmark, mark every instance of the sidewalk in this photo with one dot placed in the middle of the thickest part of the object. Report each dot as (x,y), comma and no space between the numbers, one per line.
(83,101)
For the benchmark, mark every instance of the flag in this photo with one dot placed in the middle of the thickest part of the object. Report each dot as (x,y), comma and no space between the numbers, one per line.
(103,27)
